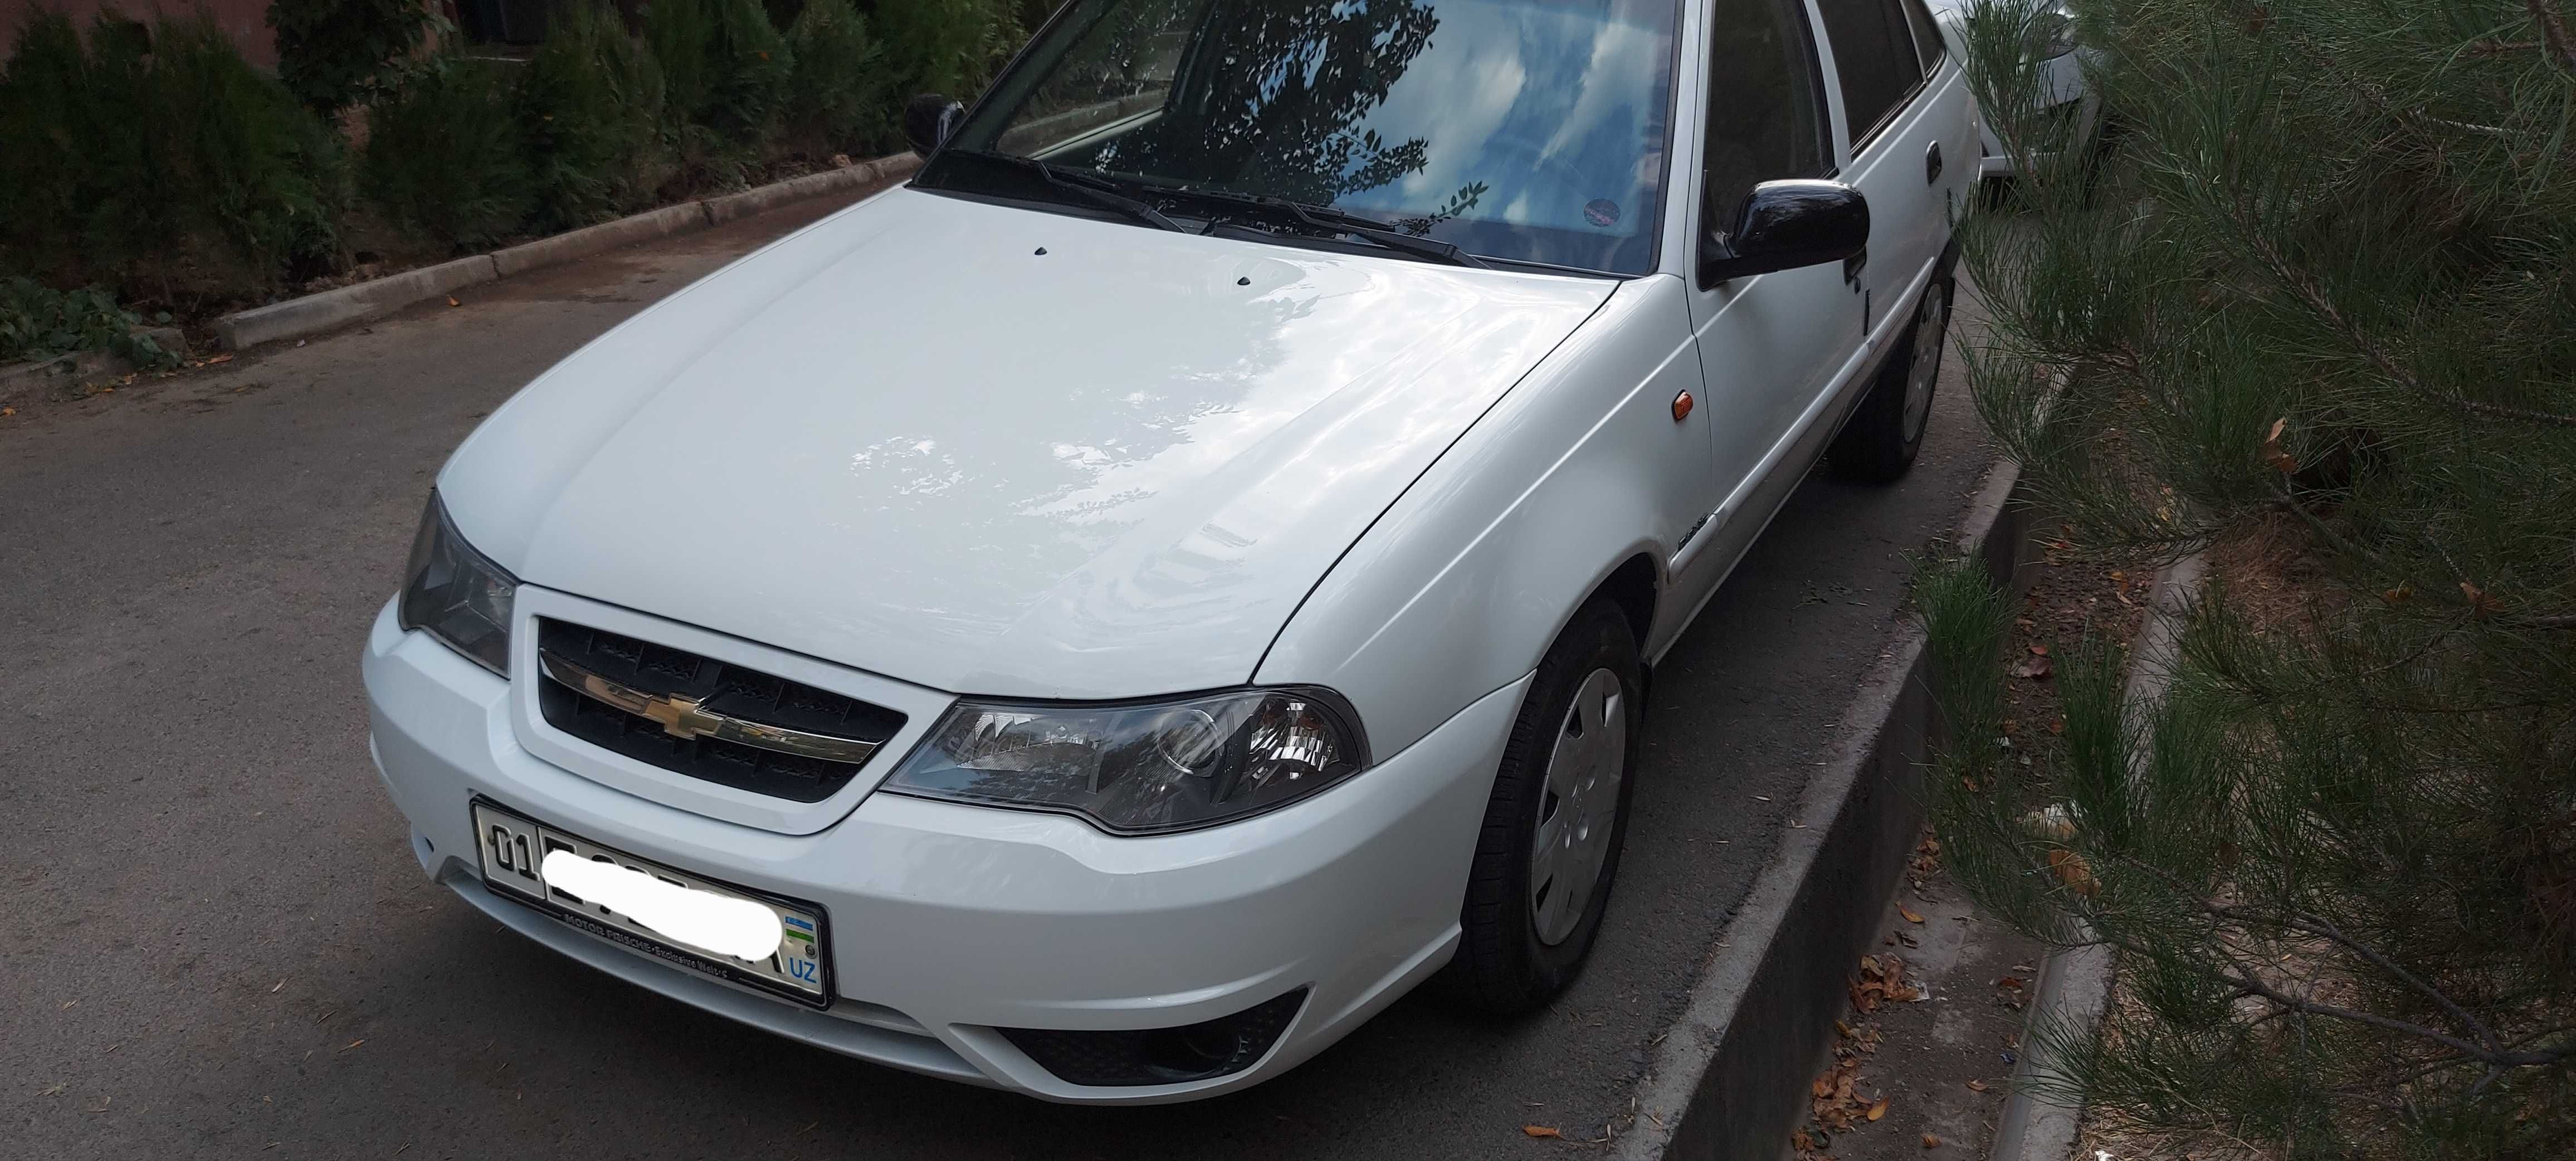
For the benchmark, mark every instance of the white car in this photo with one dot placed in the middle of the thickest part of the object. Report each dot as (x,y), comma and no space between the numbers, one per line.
(1108,617)
(2067,107)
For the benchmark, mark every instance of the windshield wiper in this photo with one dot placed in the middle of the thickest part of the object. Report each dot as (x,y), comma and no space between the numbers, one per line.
(1331,221)
(1097,194)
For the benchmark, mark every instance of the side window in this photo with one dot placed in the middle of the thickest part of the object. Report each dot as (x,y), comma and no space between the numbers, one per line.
(1927,35)
(1766,112)
(1874,58)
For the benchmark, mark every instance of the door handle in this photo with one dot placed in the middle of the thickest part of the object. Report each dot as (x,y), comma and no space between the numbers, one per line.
(1932,164)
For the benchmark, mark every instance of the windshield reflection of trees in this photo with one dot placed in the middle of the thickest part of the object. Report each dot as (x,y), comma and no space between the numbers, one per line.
(1268,100)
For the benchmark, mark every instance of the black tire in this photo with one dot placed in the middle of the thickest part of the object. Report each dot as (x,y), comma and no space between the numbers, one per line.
(1878,443)
(1504,966)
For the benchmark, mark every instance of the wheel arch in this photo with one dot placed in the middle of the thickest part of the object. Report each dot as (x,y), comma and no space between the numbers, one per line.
(1635,586)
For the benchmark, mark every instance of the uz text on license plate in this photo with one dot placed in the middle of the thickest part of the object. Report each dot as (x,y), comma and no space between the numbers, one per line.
(671,908)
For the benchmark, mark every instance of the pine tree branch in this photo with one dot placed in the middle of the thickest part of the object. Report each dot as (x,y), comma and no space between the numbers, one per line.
(2553,32)
(2318,926)
(2249,987)
(2306,289)
(2340,542)
(2248,984)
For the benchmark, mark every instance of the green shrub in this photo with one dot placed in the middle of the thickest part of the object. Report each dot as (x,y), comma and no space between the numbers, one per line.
(239,159)
(130,207)
(158,159)
(837,98)
(749,68)
(445,157)
(681,34)
(946,46)
(46,127)
(335,53)
(590,110)
(36,322)
(727,71)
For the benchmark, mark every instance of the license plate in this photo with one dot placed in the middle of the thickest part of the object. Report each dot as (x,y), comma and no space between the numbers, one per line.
(515,850)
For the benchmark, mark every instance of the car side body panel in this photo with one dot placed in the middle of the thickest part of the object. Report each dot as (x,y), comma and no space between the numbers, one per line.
(1460,586)
(1464,583)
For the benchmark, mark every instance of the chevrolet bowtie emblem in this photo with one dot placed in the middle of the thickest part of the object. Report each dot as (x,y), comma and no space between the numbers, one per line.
(687,717)
(681,717)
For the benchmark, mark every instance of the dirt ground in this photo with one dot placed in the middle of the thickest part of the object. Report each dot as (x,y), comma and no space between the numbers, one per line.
(1925,1052)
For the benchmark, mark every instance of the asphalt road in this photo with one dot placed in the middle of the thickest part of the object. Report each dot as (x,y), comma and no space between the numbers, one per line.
(213,941)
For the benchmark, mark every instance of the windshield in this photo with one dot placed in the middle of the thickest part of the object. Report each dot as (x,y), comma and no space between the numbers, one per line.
(1524,130)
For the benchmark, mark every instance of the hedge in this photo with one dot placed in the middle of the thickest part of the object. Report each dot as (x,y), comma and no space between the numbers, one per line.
(155,163)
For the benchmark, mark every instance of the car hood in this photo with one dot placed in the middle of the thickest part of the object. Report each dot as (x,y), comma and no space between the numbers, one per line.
(1001,451)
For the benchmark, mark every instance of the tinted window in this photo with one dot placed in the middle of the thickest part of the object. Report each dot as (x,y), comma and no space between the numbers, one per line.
(1765,107)
(1927,35)
(1874,57)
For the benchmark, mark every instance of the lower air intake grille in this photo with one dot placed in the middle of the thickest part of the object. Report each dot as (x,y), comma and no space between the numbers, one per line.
(1219,1047)
(757,704)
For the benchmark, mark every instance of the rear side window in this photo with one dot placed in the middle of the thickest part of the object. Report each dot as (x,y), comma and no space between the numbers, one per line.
(1874,56)
(1766,102)
(1927,35)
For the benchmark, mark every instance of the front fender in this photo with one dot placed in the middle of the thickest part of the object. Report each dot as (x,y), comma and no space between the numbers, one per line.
(1459,588)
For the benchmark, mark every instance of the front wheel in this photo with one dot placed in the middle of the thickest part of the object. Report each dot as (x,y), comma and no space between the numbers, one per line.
(1878,444)
(1559,812)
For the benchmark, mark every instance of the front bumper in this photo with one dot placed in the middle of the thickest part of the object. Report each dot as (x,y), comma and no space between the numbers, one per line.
(950,921)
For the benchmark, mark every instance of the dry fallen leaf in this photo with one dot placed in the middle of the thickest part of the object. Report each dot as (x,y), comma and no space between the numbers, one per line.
(2480,604)
(2034,667)
(216,360)
(1878,1110)
(1931,1142)
(451,301)
(1910,916)
(1542,1131)
(2013,982)
(2272,452)
(6,412)
(1976,1086)
(2073,871)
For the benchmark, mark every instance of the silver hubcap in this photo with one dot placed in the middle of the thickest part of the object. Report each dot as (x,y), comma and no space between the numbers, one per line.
(1926,368)
(1579,810)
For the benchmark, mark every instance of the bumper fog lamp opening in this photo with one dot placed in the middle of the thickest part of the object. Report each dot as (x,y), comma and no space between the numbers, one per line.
(1178,1055)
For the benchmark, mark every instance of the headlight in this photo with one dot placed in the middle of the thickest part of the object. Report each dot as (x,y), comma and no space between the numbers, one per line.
(452,593)
(1141,768)
(2050,34)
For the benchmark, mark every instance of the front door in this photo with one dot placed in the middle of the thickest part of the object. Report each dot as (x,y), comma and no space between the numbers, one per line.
(1769,344)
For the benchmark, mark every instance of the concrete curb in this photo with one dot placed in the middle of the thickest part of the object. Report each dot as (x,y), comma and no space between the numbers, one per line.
(315,313)
(2075,982)
(1730,1078)
(25,380)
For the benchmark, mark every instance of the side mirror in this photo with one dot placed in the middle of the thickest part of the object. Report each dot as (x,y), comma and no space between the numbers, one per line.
(1785,225)
(928,120)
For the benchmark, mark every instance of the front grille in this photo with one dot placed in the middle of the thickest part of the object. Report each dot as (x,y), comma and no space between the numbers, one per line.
(719,687)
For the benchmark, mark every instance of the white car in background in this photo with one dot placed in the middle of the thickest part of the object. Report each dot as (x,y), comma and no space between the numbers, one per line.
(1108,617)
(2066,103)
